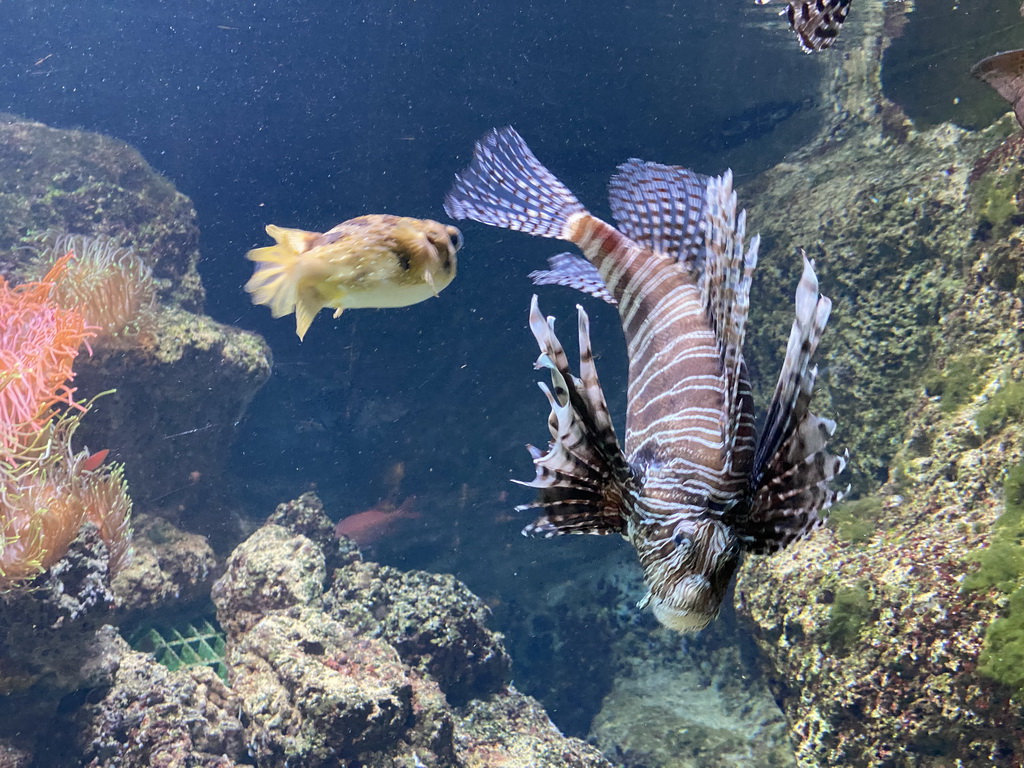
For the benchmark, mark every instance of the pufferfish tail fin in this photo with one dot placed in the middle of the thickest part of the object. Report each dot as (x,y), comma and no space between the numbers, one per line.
(279,277)
(792,467)
(584,478)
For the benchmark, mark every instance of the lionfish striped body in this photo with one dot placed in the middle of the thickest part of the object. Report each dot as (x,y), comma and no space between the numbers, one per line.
(695,487)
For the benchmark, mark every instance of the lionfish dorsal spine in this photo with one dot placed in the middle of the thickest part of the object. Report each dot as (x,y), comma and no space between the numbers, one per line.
(661,207)
(725,291)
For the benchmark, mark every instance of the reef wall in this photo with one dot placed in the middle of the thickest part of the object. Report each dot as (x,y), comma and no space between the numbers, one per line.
(874,629)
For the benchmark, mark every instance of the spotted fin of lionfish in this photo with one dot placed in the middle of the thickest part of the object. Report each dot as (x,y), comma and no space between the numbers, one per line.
(584,477)
(661,207)
(573,272)
(815,22)
(792,466)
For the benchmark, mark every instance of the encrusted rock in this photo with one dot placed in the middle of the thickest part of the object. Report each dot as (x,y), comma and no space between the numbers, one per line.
(168,566)
(433,621)
(513,731)
(273,570)
(316,694)
(155,718)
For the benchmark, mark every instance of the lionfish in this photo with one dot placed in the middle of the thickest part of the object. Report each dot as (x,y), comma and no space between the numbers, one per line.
(815,22)
(697,486)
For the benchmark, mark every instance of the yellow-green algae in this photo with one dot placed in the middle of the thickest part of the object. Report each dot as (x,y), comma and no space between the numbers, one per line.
(855,521)
(850,611)
(1001,565)
(1005,406)
(959,382)
(994,196)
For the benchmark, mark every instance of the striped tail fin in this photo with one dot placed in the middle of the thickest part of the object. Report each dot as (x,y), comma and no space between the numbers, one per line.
(792,466)
(584,477)
(725,289)
(506,186)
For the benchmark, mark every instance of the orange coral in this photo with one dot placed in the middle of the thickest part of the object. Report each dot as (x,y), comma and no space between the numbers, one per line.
(47,497)
(107,283)
(39,341)
(47,490)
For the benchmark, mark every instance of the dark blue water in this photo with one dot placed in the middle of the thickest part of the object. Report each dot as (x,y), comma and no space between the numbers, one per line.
(307,114)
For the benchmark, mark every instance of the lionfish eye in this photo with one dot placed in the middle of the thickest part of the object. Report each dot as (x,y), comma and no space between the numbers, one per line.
(681,541)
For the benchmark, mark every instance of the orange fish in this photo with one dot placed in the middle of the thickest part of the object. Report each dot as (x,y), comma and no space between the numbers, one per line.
(379,522)
(94,461)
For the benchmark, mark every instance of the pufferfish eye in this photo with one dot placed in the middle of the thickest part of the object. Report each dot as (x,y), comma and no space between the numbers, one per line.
(456,237)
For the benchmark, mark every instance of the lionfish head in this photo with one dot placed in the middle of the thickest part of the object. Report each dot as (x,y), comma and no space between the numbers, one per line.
(688,567)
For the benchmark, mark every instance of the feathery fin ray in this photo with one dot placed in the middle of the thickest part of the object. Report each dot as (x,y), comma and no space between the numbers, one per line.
(792,466)
(583,478)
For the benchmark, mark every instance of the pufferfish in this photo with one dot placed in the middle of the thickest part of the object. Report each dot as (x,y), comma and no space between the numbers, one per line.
(375,260)
(696,486)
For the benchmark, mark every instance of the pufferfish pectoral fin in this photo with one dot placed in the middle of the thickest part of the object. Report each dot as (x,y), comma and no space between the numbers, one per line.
(308,304)
(584,479)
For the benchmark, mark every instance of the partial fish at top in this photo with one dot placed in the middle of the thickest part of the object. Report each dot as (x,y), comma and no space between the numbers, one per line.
(815,22)
(1005,73)
(696,485)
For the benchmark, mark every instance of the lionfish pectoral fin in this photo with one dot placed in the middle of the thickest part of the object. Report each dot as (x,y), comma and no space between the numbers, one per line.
(573,272)
(792,467)
(583,479)
(725,291)
(661,208)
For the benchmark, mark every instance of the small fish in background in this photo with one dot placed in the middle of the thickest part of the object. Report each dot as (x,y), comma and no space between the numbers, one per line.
(815,22)
(369,261)
(369,527)
(1005,73)
(696,486)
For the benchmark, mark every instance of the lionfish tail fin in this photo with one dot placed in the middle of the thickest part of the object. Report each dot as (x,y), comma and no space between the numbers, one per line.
(573,272)
(661,208)
(725,290)
(793,468)
(584,478)
(506,186)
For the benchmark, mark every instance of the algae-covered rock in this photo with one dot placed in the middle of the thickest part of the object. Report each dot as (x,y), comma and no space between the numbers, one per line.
(168,566)
(177,403)
(184,384)
(369,671)
(876,647)
(272,570)
(76,182)
(315,694)
(434,622)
